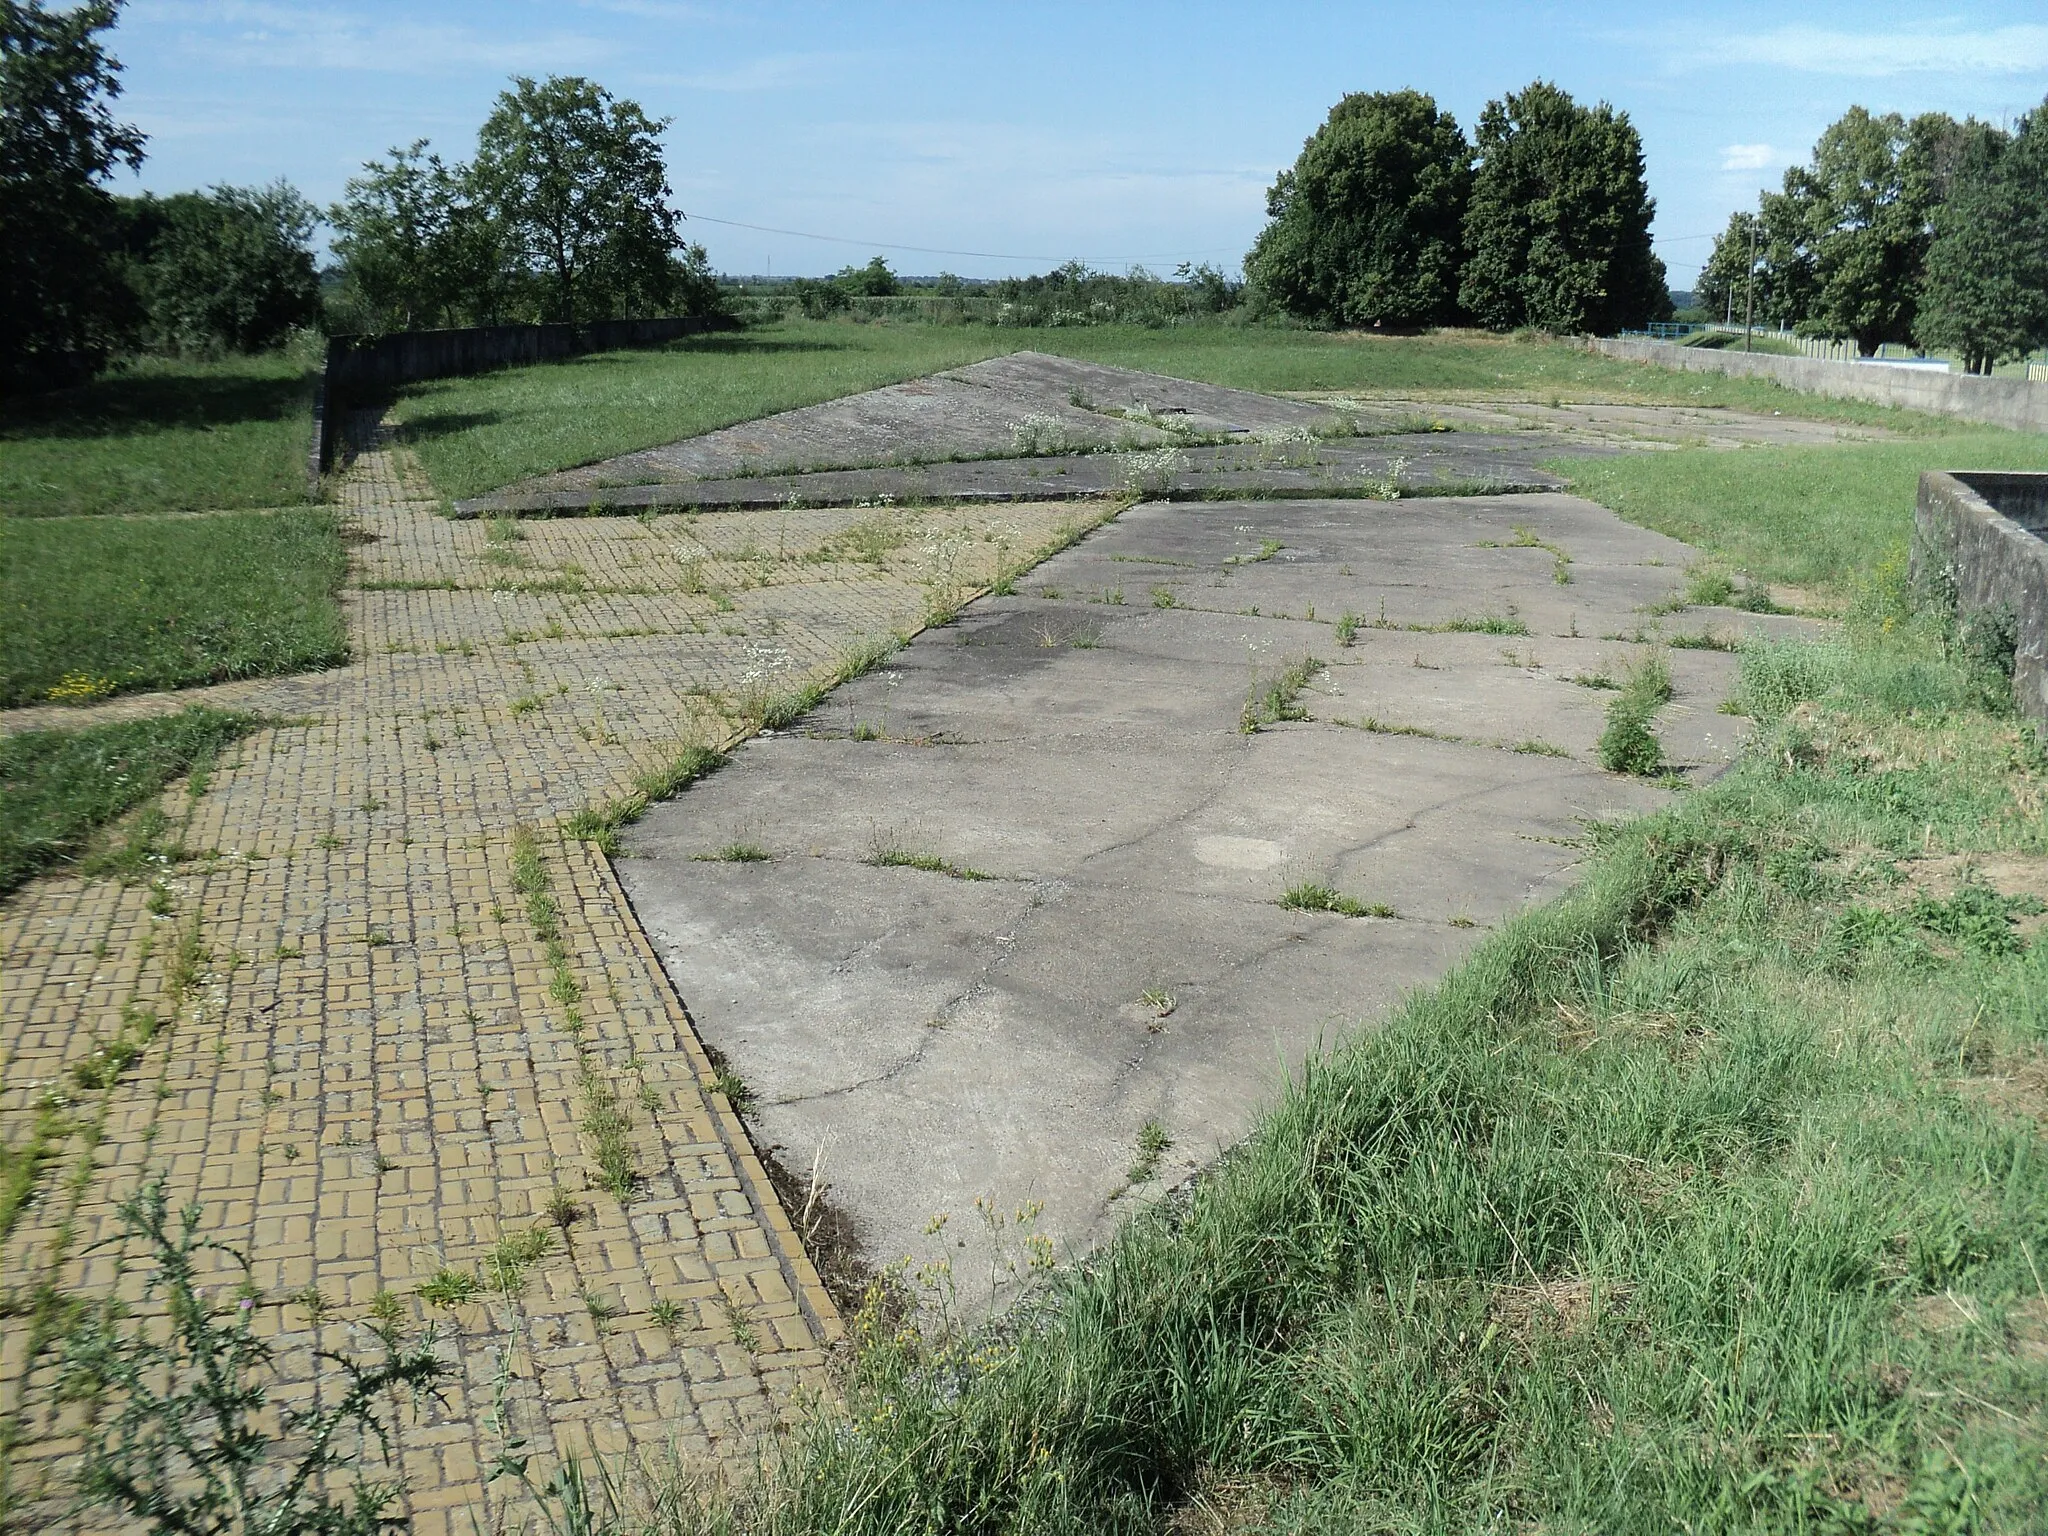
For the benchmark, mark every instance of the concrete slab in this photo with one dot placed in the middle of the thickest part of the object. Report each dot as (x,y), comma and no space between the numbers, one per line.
(930,1040)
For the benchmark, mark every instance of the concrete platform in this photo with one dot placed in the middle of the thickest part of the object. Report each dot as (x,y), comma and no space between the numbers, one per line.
(929,1040)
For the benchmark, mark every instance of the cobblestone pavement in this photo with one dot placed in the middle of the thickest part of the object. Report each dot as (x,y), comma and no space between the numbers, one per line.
(353,1041)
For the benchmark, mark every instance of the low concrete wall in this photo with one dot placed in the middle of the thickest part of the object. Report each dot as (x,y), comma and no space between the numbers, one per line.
(360,368)
(2018,404)
(1977,547)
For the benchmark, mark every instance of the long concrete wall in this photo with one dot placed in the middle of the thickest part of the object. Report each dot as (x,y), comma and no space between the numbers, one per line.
(360,368)
(2018,404)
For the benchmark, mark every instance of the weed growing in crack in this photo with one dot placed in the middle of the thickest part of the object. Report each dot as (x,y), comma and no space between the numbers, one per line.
(507,1263)
(736,853)
(886,855)
(450,1288)
(1277,698)
(734,1087)
(1628,745)
(1347,630)
(1153,1142)
(1309,896)
(609,1128)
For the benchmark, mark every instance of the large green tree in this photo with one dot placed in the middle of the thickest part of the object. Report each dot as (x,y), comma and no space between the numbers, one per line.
(61,284)
(415,250)
(1558,228)
(1985,296)
(577,185)
(1366,226)
(1850,229)
(229,270)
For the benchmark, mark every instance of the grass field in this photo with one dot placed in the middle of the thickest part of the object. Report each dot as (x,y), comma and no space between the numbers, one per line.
(164,436)
(478,433)
(1815,517)
(94,606)
(59,787)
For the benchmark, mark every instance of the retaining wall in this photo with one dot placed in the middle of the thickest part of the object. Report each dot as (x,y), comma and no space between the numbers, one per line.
(361,368)
(2018,404)
(1977,546)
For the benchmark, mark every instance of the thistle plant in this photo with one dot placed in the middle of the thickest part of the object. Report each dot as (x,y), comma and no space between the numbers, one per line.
(184,1447)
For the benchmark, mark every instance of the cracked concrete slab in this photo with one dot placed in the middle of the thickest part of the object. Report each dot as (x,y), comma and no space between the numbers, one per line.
(930,1038)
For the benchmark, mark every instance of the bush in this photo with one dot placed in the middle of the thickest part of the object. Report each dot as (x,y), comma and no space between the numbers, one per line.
(229,270)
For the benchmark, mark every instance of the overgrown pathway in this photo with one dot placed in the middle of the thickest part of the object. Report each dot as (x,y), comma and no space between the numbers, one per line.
(384,1020)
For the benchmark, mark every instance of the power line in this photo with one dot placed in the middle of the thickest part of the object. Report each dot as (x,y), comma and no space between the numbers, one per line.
(931,250)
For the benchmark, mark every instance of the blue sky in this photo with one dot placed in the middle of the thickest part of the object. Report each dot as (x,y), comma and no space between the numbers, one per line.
(1030,133)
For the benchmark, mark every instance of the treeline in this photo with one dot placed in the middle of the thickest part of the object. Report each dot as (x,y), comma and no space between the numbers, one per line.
(1924,231)
(562,214)
(1392,218)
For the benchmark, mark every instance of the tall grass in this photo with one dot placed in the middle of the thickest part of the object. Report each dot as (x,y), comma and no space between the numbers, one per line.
(1657,1214)
(94,606)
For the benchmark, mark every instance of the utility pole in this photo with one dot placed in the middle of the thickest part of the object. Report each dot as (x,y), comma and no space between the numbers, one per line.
(1749,304)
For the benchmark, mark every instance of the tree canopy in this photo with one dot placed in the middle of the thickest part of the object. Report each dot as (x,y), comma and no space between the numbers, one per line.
(1558,227)
(226,270)
(576,185)
(563,215)
(1985,297)
(61,282)
(1366,226)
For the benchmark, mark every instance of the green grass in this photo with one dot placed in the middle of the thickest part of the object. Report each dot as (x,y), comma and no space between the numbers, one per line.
(1704,1199)
(1310,896)
(58,787)
(1814,517)
(161,436)
(117,604)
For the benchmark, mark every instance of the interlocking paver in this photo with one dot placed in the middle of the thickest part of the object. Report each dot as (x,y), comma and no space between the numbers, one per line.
(371,1065)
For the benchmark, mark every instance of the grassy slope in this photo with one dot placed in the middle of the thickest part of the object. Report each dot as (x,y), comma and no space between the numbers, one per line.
(1811,516)
(165,436)
(133,603)
(58,787)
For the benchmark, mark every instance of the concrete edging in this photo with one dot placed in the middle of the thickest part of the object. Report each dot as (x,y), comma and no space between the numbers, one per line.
(2018,405)
(1977,549)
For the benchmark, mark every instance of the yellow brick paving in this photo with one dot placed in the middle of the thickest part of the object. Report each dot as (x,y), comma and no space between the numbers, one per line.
(368,1070)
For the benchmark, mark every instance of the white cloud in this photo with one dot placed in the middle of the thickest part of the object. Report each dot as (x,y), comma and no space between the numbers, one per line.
(1747,157)
(2015,50)
(254,34)
(773,72)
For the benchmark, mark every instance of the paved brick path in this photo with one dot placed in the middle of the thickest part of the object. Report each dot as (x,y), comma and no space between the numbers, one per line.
(371,1066)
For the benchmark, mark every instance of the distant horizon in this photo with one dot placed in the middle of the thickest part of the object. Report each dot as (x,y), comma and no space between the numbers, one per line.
(810,137)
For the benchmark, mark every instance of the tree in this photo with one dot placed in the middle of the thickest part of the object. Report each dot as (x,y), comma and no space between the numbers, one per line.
(61,284)
(576,183)
(1985,296)
(227,270)
(1365,228)
(414,250)
(1558,228)
(873,281)
(1850,230)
